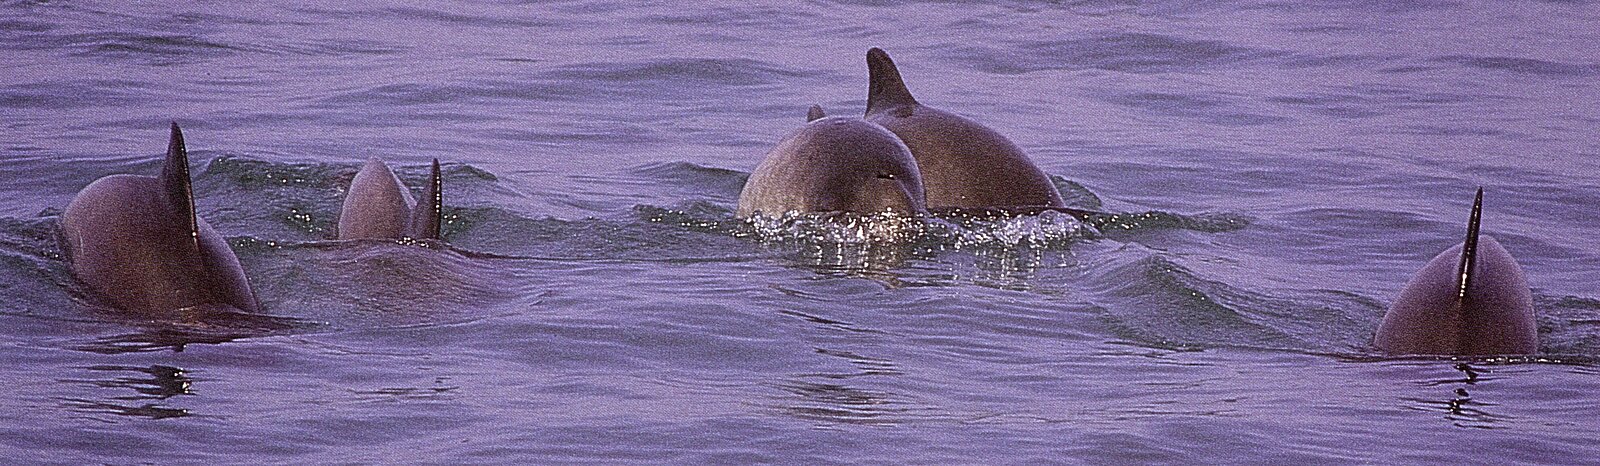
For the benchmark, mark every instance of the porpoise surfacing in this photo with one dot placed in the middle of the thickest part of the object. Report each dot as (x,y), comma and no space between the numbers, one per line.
(1471,299)
(964,164)
(835,164)
(136,241)
(378,206)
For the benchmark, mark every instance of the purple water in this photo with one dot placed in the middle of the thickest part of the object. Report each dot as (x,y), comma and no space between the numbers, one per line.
(1286,166)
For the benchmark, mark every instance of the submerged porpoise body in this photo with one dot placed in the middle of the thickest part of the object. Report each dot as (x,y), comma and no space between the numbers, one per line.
(136,242)
(835,164)
(963,163)
(378,206)
(1471,299)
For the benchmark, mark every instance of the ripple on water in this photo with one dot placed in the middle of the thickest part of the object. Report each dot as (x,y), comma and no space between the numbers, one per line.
(144,48)
(1525,66)
(1152,300)
(74,94)
(414,15)
(1142,53)
(673,77)
(1209,108)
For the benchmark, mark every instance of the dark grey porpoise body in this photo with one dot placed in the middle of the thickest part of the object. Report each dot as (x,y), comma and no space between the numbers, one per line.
(964,164)
(1471,299)
(834,164)
(136,241)
(377,206)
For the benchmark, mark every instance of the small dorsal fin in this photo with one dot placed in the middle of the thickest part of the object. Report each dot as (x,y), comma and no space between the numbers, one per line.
(429,213)
(885,88)
(1469,249)
(175,183)
(815,113)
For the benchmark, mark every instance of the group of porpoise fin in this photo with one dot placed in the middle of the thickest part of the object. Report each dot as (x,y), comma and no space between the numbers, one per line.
(136,242)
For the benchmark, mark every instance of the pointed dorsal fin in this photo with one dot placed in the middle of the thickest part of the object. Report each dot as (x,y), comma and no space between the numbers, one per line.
(175,183)
(1469,249)
(885,88)
(429,214)
(815,113)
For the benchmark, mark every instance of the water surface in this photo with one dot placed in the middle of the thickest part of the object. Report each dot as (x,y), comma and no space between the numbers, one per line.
(1279,170)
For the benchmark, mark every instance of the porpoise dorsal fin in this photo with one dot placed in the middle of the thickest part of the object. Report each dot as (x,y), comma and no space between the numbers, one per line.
(429,213)
(175,184)
(1469,249)
(815,113)
(885,88)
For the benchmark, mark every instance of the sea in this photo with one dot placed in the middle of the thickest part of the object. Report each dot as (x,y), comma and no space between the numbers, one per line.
(1269,174)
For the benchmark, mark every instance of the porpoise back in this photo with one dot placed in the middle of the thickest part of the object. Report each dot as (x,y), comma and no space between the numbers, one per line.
(378,206)
(137,242)
(1471,299)
(963,163)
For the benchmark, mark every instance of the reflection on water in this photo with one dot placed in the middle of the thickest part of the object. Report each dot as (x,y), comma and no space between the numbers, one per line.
(194,325)
(842,404)
(157,339)
(865,365)
(828,323)
(152,387)
(158,381)
(1458,406)
(440,390)
(877,262)
(147,410)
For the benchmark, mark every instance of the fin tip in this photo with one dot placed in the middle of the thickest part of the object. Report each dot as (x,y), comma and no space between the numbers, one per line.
(885,87)
(815,113)
(1469,247)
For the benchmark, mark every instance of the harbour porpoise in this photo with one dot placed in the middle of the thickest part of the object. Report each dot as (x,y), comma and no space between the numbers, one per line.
(963,164)
(378,206)
(1471,299)
(834,164)
(136,242)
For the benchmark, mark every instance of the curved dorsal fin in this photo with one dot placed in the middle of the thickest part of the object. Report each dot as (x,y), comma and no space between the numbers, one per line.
(429,213)
(1469,249)
(175,184)
(815,113)
(885,88)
